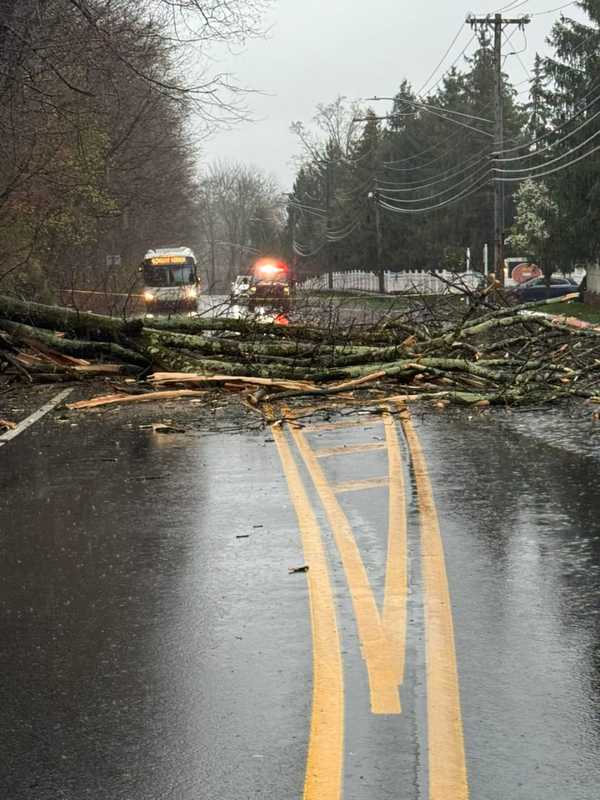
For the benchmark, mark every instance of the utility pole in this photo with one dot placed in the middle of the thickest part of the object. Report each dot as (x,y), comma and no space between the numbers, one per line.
(373,198)
(380,270)
(498,23)
(292,216)
(329,192)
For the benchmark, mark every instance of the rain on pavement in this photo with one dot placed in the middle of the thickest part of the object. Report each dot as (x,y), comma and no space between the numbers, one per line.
(156,645)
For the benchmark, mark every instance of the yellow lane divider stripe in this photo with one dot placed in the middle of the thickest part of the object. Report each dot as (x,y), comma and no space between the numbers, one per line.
(347,450)
(396,574)
(360,486)
(446,754)
(324,764)
(376,648)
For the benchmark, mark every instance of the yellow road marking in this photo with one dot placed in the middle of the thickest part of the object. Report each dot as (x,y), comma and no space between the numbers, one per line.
(376,648)
(346,450)
(446,754)
(335,426)
(360,486)
(396,575)
(324,764)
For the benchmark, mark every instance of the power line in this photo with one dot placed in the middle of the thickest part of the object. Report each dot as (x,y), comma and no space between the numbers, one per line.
(550,146)
(553,10)
(467,192)
(557,129)
(442,177)
(454,63)
(443,58)
(551,171)
(429,110)
(554,160)
(469,178)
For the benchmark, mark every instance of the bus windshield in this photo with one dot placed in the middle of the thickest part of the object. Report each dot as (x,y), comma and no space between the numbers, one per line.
(169,275)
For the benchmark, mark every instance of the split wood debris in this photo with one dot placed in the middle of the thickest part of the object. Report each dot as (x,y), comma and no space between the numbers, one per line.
(485,352)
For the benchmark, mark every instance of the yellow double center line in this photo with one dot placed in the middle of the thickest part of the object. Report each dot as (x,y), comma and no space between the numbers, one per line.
(376,647)
(447,768)
(382,638)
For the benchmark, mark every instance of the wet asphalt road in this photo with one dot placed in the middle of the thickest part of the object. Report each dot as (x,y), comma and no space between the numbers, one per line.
(149,653)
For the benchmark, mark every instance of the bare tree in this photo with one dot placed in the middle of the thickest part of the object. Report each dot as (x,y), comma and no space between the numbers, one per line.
(96,98)
(242,216)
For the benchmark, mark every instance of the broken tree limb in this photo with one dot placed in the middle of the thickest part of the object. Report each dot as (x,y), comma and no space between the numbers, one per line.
(185,377)
(148,397)
(315,391)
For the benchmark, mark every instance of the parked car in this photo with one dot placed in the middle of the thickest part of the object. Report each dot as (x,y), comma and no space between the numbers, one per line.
(536,289)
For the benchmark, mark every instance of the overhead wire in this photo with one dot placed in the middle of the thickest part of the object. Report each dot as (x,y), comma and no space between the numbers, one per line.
(567,136)
(553,160)
(429,110)
(551,171)
(558,128)
(468,179)
(553,10)
(467,192)
(440,179)
(443,58)
(477,178)
(299,251)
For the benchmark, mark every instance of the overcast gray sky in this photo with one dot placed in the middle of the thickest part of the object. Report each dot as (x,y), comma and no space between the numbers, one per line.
(318,49)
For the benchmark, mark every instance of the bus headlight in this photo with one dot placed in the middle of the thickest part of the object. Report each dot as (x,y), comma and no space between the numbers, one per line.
(148,297)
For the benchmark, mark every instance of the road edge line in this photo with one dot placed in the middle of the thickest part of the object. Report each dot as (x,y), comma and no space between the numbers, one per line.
(33,418)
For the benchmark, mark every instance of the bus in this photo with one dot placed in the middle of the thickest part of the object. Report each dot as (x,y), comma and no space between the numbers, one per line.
(170,281)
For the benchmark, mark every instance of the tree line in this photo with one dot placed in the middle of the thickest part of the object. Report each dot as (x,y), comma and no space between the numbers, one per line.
(102,106)
(422,171)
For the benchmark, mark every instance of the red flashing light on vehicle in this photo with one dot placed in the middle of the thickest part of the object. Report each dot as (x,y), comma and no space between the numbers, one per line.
(270,269)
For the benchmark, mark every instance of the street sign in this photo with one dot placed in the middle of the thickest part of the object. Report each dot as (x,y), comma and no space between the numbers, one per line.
(524,272)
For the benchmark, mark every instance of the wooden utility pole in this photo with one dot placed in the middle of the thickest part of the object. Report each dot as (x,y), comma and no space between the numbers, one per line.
(380,269)
(329,191)
(292,216)
(498,23)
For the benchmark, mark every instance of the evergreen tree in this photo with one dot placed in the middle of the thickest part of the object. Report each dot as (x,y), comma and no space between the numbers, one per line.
(575,74)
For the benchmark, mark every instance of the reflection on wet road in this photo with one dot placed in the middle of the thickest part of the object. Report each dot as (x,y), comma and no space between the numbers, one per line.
(444,642)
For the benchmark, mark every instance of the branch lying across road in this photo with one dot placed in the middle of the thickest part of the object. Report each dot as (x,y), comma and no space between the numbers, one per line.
(512,355)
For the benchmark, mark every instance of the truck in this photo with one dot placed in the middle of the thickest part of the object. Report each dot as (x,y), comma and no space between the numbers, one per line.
(270,284)
(170,279)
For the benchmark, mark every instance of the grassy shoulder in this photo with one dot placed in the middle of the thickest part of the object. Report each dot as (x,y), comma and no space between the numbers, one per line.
(582,311)
(386,302)
(353,298)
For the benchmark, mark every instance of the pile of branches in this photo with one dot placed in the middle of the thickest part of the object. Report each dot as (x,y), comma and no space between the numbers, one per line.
(483,354)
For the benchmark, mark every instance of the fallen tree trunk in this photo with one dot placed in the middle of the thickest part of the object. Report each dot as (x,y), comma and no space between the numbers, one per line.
(72,347)
(486,357)
(67,319)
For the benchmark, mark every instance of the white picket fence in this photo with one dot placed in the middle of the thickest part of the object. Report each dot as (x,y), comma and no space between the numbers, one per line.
(413,281)
(408,282)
